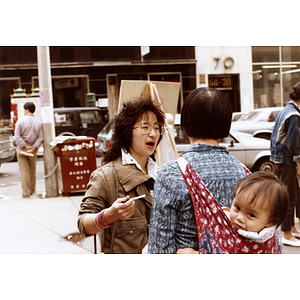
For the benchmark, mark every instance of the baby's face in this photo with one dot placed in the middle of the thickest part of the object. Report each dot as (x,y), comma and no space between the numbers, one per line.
(249,217)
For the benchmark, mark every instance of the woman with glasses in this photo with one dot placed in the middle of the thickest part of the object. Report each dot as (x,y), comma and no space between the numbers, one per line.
(128,171)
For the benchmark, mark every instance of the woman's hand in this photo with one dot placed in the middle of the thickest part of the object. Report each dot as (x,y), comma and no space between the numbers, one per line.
(119,210)
(186,251)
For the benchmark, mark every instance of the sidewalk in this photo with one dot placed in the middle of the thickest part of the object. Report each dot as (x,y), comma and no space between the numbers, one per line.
(39,225)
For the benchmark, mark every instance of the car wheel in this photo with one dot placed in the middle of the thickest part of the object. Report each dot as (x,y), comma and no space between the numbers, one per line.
(264,164)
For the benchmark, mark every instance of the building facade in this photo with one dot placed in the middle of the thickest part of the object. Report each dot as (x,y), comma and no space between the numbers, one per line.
(250,77)
(76,71)
(228,69)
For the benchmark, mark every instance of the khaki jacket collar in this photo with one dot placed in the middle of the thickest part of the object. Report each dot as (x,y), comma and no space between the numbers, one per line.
(130,176)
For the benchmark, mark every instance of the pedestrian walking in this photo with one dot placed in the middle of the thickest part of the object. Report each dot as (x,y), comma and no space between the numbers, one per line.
(285,153)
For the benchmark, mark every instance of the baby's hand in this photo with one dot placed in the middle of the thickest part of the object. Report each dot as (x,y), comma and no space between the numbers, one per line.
(186,251)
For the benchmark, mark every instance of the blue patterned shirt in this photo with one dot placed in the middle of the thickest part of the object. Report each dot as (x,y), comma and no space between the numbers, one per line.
(173,223)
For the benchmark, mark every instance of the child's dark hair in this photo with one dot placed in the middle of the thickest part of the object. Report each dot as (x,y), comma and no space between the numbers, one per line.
(266,187)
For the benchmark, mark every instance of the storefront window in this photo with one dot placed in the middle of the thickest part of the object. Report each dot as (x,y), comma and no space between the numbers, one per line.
(274,68)
(290,76)
(290,53)
(266,84)
(265,54)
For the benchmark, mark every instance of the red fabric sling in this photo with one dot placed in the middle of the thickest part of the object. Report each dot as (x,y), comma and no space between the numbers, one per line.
(216,233)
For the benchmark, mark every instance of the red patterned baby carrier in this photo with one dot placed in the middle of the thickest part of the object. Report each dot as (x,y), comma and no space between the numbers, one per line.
(216,233)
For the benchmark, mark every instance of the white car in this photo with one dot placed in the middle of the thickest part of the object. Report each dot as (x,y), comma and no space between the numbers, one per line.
(237,115)
(258,122)
(253,152)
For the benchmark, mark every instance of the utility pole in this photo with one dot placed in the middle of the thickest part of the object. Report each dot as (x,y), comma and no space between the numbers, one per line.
(45,87)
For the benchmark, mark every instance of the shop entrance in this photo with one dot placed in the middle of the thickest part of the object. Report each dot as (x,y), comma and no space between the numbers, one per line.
(229,85)
(68,91)
(7,85)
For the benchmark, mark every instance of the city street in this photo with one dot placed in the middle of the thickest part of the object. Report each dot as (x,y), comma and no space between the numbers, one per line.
(31,211)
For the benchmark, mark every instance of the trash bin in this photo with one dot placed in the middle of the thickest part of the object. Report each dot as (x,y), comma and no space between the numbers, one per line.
(77,162)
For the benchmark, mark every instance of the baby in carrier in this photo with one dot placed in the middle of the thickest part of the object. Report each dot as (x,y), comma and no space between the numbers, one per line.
(260,205)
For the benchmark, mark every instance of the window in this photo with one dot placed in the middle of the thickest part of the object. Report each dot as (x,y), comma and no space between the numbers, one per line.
(266,84)
(290,76)
(290,53)
(275,70)
(265,54)
(90,117)
(65,119)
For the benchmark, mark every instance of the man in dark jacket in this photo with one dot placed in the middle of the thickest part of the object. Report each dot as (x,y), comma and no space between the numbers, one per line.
(285,153)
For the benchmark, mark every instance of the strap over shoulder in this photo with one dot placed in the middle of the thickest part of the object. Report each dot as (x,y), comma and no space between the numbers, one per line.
(216,233)
(182,163)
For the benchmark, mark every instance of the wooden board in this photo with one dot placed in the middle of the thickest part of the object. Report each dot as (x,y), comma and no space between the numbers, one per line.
(167,91)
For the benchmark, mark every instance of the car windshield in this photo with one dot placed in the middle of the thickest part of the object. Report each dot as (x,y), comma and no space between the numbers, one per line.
(252,115)
(90,117)
(65,119)
(273,116)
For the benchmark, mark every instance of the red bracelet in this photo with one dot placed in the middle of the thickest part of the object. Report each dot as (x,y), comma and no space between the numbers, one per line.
(99,222)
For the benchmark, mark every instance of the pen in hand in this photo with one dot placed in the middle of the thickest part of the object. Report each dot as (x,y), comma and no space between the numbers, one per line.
(135,198)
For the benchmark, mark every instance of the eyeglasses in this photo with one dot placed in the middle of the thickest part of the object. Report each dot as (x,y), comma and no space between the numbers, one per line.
(146,128)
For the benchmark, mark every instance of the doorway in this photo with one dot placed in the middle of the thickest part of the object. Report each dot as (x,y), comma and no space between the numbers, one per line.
(7,85)
(229,85)
(68,90)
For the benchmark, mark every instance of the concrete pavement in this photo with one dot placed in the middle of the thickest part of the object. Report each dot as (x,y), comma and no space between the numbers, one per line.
(39,225)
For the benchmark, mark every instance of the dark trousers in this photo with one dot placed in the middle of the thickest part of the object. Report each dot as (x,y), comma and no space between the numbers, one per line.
(287,174)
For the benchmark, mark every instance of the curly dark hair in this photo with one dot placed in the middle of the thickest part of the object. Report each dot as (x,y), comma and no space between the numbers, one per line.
(123,123)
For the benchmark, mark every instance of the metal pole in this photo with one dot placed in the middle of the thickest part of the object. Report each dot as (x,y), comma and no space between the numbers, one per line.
(44,69)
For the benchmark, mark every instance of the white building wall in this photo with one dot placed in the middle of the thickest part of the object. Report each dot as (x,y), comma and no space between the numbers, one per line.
(210,60)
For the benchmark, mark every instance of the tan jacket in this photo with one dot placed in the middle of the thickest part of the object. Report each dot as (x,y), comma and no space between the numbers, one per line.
(126,236)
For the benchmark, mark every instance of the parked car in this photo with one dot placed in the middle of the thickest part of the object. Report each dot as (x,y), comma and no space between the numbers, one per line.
(258,122)
(237,115)
(104,137)
(79,121)
(7,145)
(252,152)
